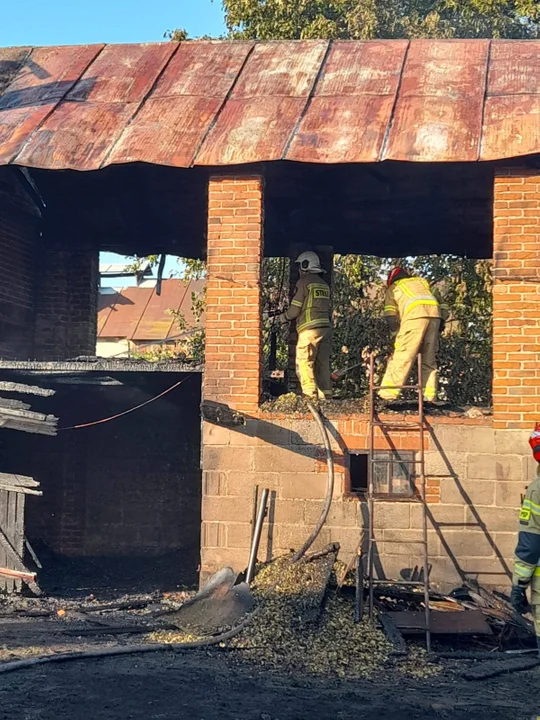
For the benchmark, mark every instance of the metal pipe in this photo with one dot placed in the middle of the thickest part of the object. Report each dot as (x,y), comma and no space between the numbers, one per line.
(424,501)
(371,498)
(254,510)
(330,487)
(257,535)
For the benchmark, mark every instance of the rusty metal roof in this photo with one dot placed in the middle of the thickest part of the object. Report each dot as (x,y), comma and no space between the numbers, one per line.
(140,314)
(215,103)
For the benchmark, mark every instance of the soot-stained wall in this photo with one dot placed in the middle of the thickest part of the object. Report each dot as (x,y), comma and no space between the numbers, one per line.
(128,487)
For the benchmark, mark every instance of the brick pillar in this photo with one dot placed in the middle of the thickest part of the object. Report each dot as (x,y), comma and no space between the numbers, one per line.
(233,361)
(66,304)
(516,298)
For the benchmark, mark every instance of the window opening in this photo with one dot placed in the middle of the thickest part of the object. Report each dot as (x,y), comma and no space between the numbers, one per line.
(393,473)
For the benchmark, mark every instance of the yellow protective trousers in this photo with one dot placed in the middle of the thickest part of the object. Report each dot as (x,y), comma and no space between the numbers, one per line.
(313,351)
(418,335)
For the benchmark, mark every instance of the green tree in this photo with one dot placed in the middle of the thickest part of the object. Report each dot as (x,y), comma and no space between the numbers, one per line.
(367,19)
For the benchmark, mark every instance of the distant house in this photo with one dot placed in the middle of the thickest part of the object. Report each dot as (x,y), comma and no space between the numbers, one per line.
(134,320)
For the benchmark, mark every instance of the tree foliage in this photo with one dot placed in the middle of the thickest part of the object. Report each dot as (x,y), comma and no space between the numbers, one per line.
(367,19)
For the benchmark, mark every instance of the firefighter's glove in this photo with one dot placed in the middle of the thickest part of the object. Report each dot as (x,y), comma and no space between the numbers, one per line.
(442,327)
(518,599)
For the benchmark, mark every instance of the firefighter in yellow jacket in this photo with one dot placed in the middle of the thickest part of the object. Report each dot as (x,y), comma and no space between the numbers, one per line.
(527,555)
(311,308)
(414,315)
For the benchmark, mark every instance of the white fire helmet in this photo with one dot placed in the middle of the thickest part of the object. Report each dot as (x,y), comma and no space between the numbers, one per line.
(310,262)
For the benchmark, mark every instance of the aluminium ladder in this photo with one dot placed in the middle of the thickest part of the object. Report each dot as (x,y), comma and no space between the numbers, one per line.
(419,426)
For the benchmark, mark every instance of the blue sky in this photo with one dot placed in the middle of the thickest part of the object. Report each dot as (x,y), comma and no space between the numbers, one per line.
(76,22)
(73,22)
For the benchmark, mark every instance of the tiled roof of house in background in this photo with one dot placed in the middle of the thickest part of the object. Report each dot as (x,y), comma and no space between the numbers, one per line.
(139,314)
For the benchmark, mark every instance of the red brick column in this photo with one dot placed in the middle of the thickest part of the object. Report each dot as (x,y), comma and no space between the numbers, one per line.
(233,364)
(516,298)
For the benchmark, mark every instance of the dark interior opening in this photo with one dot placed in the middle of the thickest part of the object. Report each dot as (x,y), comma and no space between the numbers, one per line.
(387,209)
(358,472)
(121,500)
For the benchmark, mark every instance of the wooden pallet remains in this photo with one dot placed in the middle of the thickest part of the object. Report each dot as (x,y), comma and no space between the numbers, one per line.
(13,571)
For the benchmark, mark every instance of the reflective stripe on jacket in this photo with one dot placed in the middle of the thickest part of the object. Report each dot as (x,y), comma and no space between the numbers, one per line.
(310,306)
(527,556)
(412,298)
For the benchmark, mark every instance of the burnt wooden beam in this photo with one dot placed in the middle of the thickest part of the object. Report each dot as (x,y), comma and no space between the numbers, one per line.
(25,389)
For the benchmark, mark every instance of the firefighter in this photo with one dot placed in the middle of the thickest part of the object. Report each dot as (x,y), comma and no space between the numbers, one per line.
(311,309)
(527,555)
(415,318)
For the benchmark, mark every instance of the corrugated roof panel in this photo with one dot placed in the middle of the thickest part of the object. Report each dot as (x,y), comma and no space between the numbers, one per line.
(514,68)
(76,136)
(157,321)
(44,78)
(203,68)
(363,68)
(11,60)
(438,113)
(224,103)
(84,128)
(347,119)
(126,314)
(173,123)
(123,73)
(511,126)
(106,305)
(195,287)
(266,104)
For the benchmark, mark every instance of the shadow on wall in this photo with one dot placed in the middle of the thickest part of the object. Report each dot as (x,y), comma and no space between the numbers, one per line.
(447,529)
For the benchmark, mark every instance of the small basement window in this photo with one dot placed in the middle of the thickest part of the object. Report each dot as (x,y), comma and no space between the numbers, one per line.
(393,473)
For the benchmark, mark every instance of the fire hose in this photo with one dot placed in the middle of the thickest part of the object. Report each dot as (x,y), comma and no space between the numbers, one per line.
(203,642)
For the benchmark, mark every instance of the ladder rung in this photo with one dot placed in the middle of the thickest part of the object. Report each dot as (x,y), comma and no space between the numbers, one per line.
(397,462)
(397,387)
(415,583)
(398,426)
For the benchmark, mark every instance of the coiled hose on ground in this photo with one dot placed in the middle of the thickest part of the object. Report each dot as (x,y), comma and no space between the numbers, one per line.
(203,642)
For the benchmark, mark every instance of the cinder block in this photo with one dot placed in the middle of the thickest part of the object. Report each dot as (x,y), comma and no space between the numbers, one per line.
(241,484)
(508,494)
(304,486)
(342,513)
(228,458)
(214,483)
(495,519)
(292,537)
(481,467)
(306,432)
(493,572)
(348,539)
(284,460)
(213,534)
(478,492)
(467,544)
(215,434)
(390,515)
(213,559)
(506,543)
(449,437)
(239,536)
(272,432)
(446,464)
(225,509)
(512,442)
(510,467)
(290,511)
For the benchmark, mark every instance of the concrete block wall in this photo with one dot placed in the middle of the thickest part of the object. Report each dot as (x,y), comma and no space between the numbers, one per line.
(475,477)
(477,469)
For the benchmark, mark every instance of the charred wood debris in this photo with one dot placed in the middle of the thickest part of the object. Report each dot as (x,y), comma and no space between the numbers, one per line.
(17,414)
(295,618)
